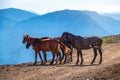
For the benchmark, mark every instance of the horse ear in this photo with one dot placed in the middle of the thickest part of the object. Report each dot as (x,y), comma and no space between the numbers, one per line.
(28,36)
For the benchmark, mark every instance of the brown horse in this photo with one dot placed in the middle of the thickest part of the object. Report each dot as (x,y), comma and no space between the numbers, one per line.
(80,43)
(68,51)
(44,45)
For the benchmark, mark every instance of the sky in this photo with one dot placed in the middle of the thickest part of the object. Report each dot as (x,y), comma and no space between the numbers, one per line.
(45,6)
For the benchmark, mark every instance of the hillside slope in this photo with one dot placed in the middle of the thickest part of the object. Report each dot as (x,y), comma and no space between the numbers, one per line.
(16,14)
(109,69)
(76,22)
(113,15)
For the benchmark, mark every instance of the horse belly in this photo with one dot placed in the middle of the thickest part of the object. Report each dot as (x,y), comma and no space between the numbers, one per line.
(44,46)
(85,44)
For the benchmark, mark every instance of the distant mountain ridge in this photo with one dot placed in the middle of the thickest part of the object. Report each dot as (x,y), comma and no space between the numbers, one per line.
(113,15)
(108,23)
(16,14)
(14,23)
(65,20)
(84,21)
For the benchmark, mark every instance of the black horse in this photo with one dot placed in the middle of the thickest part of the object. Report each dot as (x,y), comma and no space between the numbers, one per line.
(80,43)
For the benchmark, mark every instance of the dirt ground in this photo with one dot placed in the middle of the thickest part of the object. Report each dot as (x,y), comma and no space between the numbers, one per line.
(108,70)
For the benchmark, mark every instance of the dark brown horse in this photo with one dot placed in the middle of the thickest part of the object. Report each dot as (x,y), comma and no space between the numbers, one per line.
(80,43)
(44,45)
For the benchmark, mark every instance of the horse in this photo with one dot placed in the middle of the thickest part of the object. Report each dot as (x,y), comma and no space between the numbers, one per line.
(44,44)
(81,43)
(30,41)
(66,50)
(69,48)
(60,46)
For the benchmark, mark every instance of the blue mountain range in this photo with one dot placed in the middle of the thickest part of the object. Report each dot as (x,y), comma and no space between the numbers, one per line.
(114,15)
(14,23)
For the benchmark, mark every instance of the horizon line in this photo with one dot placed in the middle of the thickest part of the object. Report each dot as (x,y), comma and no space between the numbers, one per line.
(115,12)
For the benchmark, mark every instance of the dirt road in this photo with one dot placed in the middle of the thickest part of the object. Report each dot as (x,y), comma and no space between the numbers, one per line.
(109,69)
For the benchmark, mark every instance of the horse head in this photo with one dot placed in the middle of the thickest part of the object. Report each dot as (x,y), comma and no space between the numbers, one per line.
(66,48)
(25,38)
(66,38)
(27,45)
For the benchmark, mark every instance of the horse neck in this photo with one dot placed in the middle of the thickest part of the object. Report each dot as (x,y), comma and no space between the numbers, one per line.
(71,38)
(31,40)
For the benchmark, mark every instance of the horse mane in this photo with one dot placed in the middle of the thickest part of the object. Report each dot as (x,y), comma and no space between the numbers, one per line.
(64,33)
(70,34)
(38,40)
(67,33)
(44,38)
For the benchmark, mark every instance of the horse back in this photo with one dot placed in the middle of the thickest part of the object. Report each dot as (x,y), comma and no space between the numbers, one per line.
(88,42)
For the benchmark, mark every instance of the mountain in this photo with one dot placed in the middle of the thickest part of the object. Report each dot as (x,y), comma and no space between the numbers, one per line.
(16,14)
(10,16)
(10,43)
(18,23)
(115,15)
(57,22)
(109,24)
(6,22)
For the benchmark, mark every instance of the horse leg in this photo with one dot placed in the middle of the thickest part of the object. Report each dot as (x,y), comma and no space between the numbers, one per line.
(65,58)
(40,58)
(81,57)
(71,56)
(77,58)
(60,57)
(45,57)
(56,58)
(95,55)
(52,59)
(44,53)
(100,52)
(63,54)
(35,58)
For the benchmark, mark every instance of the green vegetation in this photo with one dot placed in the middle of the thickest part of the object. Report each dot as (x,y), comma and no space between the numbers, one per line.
(111,39)
(107,40)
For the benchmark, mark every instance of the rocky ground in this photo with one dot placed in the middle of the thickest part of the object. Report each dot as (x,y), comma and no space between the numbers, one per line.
(108,70)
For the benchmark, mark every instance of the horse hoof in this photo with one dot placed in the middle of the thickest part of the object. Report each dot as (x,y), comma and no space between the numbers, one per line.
(81,64)
(60,63)
(64,62)
(34,63)
(42,63)
(45,60)
(76,63)
(91,63)
(71,61)
(51,63)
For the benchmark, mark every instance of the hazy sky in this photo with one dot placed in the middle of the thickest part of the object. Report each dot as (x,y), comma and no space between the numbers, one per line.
(44,6)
